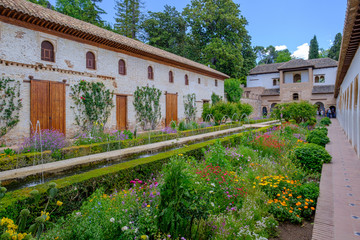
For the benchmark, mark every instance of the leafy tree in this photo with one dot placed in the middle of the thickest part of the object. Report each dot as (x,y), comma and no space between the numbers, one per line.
(323,53)
(166,30)
(44,3)
(334,51)
(299,111)
(128,17)
(216,36)
(249,56)
(233,90)
(190,107)
(223,111)
(266,55)
(85,10)
(314,48)
(283,56)
(215,98)
(147,106)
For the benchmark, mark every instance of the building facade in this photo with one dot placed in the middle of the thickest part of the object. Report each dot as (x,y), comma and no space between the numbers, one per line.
(49,52)
(347,91)
(312,80)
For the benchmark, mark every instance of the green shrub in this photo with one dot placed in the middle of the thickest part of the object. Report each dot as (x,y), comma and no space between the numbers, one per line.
(318,137)
(325,121)
(182,126)
(309,190)
(311,157)
(323,129)
(299,111)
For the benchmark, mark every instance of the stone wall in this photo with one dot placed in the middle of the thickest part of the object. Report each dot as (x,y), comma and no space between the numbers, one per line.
(20,57)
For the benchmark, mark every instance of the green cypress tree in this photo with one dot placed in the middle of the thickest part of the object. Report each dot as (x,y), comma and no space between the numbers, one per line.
(128,18)
(334,51)
(314,48)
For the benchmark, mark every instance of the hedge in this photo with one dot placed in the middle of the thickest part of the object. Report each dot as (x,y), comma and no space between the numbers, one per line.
(73,190)
(29,159)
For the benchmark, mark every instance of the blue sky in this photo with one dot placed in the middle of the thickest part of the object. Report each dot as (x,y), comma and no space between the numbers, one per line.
(281,23)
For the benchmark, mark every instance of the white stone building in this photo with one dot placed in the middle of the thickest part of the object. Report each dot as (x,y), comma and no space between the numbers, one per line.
(347,91)
(48,52)
(311,80)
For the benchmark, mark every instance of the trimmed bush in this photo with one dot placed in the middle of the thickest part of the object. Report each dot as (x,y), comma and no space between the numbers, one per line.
(318,137)
(323,129)
(311,157)
(325,121)
(73,190)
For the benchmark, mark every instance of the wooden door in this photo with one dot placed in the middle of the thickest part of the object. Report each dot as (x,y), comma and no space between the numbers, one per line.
(171,108)
(121,112)
(47,105)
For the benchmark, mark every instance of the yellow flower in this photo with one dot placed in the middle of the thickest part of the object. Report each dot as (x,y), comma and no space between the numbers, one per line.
(180,154)
(59,203)
(148,206)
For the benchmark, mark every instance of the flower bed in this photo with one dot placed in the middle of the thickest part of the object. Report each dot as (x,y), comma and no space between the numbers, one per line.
(8,162)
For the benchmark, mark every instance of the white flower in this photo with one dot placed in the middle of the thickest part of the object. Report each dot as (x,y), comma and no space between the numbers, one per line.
(124,228)
(78,214)
(197,183)
(212,184)
(112,220)
(136,230)
(212,204)
(211,191)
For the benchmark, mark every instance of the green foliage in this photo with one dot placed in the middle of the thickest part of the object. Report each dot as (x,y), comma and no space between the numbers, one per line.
(2,191)
(334,51)
(85,10)
(309,190)
(147,106)
(283,56)
(314,48)
(222,111)
(166,30)
(93,103)
(216,156)
(190,107)
(325,121)
(311,157)
(266,55)
(233,90)
(215,98)
(128,17)
(299,111)
(318,137)
(176,203)
(217,32)
(323,129)
(43,3)
(10,104)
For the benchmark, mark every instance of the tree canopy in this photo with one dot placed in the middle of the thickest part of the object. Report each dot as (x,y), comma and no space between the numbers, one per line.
(314,48)
(283,56)
(334,51)
(128,17)
(233,90)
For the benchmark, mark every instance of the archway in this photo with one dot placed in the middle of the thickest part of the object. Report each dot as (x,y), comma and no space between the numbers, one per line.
(272,107)
(264,111)
(320,108)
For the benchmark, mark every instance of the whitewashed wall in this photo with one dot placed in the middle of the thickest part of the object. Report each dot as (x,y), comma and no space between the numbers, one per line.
(349,118)
(330,75)
(23,45)
(288,76)
(262,80)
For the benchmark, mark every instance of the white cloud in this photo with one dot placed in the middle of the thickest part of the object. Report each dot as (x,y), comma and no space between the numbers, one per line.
(302,51)
(281,47)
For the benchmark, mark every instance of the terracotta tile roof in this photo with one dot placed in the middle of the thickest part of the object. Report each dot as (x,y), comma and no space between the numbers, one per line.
(271,92)
(323,89)
(293,64)
(48,15)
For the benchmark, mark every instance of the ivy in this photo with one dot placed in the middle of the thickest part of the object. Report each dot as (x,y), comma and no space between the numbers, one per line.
(10,104)
(190,107)
(93,103)
(147,106)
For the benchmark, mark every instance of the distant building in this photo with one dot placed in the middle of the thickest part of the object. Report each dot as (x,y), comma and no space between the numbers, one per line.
(312,80)
(347,92)
(49,52)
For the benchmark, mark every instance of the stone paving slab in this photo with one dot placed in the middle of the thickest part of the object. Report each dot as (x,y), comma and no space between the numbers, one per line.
(113,155)
(338,209)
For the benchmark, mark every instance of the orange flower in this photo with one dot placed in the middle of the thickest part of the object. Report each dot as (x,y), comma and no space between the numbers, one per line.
(298,203)
(299,209)
(306,207)
(312,208)
(290,211)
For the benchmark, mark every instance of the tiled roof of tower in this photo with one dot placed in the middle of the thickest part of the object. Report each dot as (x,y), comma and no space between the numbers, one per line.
(293,64)
(25,11)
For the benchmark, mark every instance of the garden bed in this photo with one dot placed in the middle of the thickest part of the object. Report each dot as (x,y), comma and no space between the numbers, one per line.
(30,159)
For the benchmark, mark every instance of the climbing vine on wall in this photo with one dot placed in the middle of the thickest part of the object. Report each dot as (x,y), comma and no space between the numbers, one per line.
(93,103)
(10,104)
(190,107)
(147,106)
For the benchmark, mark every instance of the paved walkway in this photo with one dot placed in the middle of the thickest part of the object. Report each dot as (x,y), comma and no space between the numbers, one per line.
(338,211)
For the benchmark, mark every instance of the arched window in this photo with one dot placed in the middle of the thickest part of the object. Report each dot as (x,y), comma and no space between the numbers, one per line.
(150,72)
(47,51)
(171,77)
(297,78)
(186,79)
(295,96)
(122,67)
(317,79)
(90,60)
